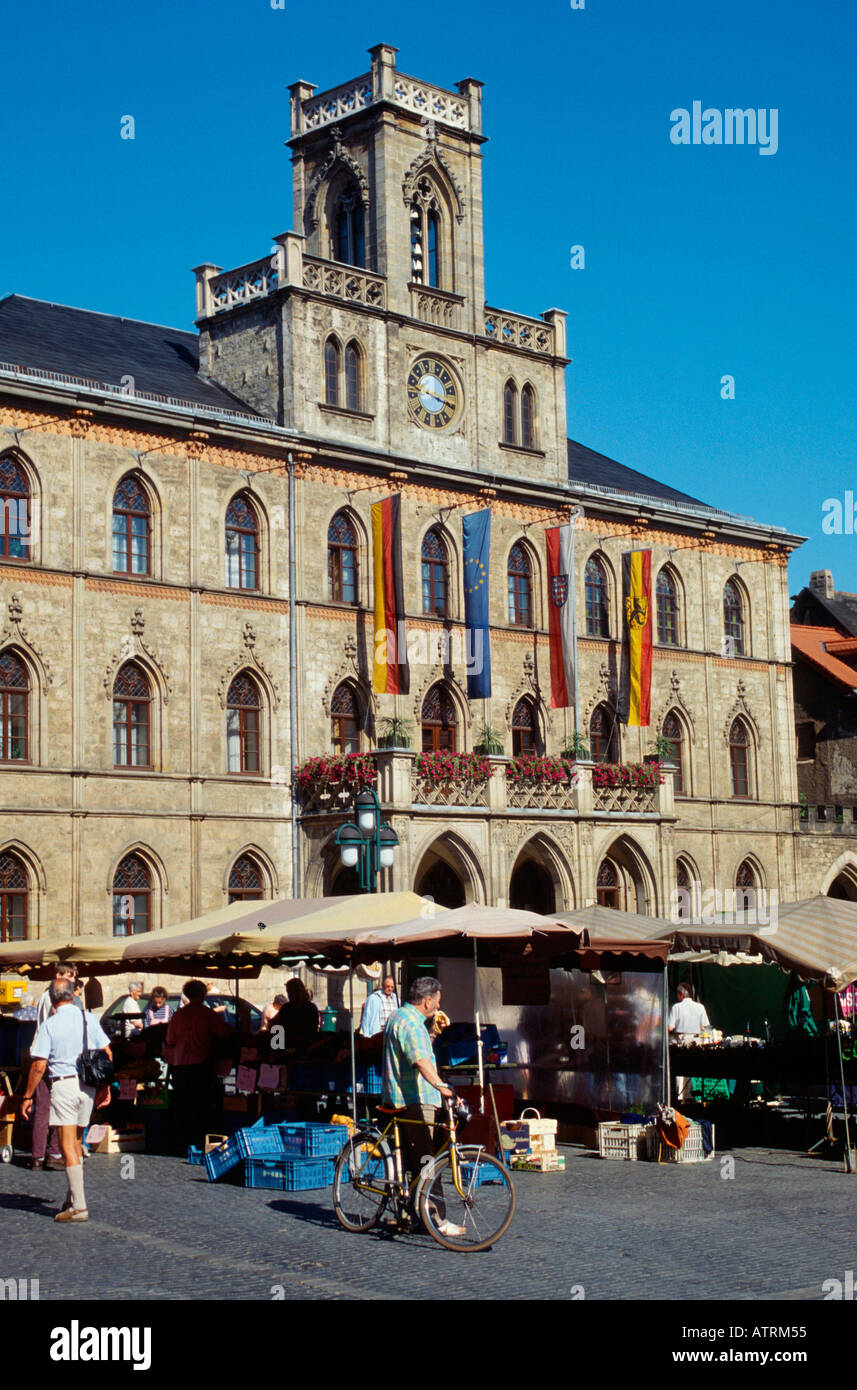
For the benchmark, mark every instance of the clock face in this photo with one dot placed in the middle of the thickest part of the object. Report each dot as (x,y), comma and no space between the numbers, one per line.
(434,397)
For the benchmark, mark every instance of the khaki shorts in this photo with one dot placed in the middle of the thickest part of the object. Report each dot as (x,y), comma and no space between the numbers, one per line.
(71,1103)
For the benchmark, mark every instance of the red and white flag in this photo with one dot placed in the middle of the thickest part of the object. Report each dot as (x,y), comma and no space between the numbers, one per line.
(561,615)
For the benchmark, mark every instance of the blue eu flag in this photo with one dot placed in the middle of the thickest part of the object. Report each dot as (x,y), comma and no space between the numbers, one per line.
(477,555)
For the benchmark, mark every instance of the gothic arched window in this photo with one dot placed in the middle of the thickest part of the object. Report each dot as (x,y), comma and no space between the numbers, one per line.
(733,619)
(132,698)
(602,736)
(353,377)
(15,698)
(746,887)
(426,260)
(132,897)
(519,574)
(666,593)
(341,560)
(14,898)
(344,721)
(349,228)
(438,721)
(607,886)
(131,528)
(673,733)
(525,729)
(528,417)
(15,505)
(243,708)
(739,759)
(332,367)
(245,880)
(685,890)
(435,575)
(597,605)
(510,413)
(242,545)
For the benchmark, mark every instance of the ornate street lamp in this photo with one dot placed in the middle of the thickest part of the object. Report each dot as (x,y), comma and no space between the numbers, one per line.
(370,844)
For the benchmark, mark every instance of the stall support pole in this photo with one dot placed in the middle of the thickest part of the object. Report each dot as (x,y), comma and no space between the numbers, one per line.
(478,1028)
(666,1068)
(353,1046)
(849,1157)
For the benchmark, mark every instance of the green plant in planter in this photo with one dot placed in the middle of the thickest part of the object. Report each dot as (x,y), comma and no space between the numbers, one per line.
(663,749)
(575,748)
(804,806)
(395,732)
(489,741)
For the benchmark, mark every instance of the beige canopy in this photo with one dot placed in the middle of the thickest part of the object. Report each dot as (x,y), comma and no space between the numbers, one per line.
(456,932)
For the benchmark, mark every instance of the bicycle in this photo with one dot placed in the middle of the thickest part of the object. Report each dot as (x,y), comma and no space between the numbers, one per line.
(469,1214)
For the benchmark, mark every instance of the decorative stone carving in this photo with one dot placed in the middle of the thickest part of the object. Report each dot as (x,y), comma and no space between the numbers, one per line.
(248,637)
(675,698)
(338,155)
(441,673)
(17,634)
(430,160)
(741,708)
(81,421)
(348,669)
(602,695)
(529,685)
(134,645)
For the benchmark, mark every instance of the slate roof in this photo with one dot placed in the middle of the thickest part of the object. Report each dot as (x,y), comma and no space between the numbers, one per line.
(812,643)
(103,349)
(842,607)
(594,469)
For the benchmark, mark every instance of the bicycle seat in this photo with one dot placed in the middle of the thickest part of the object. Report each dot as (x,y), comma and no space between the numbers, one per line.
(391,1109)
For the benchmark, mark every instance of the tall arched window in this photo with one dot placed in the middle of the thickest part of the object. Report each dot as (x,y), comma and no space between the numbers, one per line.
(426,262)
(597,605)
(435,575)
(525,729)
(602,736)
(519,576)
(349,228)
(684,885)
(344,721)
(666,592)
(438,721)
(245,880)
(242,545)
(673,733)
(131,528)
(739,759)
(510,413)
(607,886)
(353,377)
(243,708)
(733,619)
(746,888)
(132,699)
(14,898)
(132,897)
(332,368)
(528,417)
(15,504)
(15,698)
(341,560)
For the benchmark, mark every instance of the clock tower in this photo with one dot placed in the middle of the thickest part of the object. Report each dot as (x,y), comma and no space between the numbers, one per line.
(369,326)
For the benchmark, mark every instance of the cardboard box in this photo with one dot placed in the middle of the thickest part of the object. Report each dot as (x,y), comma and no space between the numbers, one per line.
(132,1139)
(538,1163)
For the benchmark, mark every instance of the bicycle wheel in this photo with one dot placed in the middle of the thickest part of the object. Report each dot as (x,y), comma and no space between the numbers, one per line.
(474,1218)
(361,1178)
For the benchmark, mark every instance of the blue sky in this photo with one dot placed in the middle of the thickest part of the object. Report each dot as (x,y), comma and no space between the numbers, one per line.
(701,261)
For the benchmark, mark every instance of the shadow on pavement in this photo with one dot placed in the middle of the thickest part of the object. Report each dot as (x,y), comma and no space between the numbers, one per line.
(21,1201)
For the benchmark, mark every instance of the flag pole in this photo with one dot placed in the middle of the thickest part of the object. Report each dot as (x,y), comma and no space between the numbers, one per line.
(572,521)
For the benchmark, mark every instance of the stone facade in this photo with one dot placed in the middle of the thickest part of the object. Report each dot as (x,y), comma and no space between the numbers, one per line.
(72,816)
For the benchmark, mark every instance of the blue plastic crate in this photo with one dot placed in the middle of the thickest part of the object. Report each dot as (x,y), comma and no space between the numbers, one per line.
(195,1155)
(260,1143)
(288,1174)
(313,1141)
(219,1161)
(485,1175)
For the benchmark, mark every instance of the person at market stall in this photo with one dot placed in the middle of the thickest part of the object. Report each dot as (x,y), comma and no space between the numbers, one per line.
(192,1033)
(270,1012)
(298,1018)
(56,1049)
(43,1153)
(158,1010)
(380,1005)
(411,1081)
(687,1019)
(132,1014)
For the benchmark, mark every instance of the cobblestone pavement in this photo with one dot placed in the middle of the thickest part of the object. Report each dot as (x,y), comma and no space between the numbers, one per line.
(777,1229)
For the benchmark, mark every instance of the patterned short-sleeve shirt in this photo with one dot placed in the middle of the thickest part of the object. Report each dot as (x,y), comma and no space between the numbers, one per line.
(406,1042)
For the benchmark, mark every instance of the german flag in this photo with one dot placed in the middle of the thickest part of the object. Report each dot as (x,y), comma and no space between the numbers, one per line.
(635,704)
(390,661)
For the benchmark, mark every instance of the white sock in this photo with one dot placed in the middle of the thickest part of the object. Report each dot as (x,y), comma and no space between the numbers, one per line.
(75,1186)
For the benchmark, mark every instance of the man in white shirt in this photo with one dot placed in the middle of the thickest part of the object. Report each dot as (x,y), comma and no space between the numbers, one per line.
(55,1050)
(131,1012)
(686,1021)
(379,1007)
(46,1154)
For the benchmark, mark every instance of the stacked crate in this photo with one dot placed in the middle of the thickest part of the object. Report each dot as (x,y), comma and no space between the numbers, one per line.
(285,1157)
(529,1144)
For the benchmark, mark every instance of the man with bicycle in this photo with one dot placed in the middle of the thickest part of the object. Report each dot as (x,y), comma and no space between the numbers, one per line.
(411,1080)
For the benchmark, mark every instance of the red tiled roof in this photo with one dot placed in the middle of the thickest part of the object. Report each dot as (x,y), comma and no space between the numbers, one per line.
(812,643)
